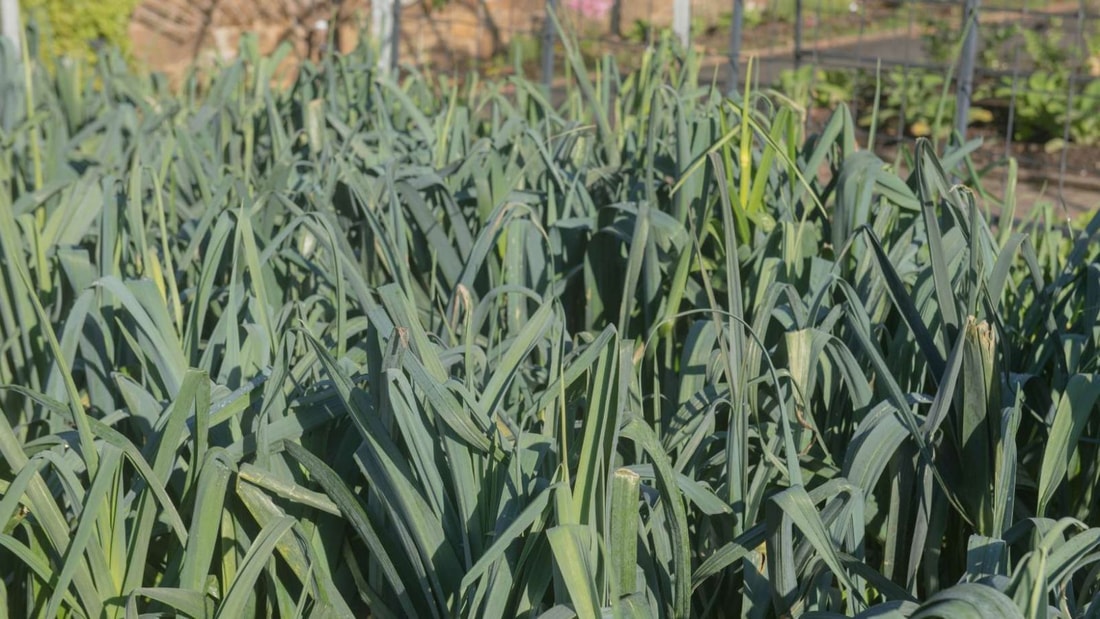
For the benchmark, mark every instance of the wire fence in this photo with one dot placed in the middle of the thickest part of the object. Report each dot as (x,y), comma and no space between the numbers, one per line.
(1023,75)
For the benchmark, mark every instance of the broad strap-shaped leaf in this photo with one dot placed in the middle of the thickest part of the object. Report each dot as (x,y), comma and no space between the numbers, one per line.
(1075,407)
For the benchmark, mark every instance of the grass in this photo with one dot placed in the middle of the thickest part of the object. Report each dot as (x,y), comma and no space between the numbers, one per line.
(408,348)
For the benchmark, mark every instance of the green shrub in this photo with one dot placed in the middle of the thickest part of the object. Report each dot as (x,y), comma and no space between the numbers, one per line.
(1042,101)
(917,97)
(824,88)
(77,27)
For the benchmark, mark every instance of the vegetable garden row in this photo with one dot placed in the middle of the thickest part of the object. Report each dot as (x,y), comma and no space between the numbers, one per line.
(364,346)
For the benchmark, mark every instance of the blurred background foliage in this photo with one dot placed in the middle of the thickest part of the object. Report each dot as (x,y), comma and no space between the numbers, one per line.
(78,28)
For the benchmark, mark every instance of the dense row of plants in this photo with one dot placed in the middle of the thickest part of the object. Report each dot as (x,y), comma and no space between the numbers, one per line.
(409,348)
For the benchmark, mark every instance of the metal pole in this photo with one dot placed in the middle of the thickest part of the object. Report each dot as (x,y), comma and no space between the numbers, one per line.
(9,18)
(616,19)
(969,53)
(735,43)
(681,21)
(548,37)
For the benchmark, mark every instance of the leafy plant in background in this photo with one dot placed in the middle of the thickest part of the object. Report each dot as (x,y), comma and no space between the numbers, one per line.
(1044,108)
(641,31)
(1039,96)
(420,348)
(1040,105)
(941,38)
(1085,122)
(1047,47)
(76,28)
(917,98)
(817,87)
(996,52)
(826,10)
(998,41)
(718,25)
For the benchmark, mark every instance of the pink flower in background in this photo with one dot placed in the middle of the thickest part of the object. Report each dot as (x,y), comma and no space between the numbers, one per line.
(593,9)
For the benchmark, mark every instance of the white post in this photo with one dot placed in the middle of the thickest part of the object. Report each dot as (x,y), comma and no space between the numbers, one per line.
(681,21)
(9,17)
(385,32)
